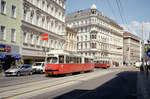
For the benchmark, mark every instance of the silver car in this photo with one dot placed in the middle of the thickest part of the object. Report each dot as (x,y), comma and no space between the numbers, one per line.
(20,70)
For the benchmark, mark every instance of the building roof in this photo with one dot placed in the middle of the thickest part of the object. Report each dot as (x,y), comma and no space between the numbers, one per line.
(93,6)
(87,12)
(71,30)
(130,35)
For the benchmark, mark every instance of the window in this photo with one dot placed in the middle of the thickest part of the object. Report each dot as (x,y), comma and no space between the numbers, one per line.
(52,9)
(77,38)
(43,5)
(13,11)
(25,37)
(2,33)
(31,16)
(67,59)
(93,45)
(81,46)
(37,20)
(61,59)
(37,39)
(85,45)
(43,19)
(3,7)
(31,39)
(13,35)
(25,14)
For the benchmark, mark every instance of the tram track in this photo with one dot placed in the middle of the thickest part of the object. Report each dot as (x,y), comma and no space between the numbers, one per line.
(55,83)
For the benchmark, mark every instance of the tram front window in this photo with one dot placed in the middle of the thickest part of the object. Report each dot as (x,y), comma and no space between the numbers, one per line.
(52,60)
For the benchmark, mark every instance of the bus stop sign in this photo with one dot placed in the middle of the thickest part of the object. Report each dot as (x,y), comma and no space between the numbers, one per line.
(148,52)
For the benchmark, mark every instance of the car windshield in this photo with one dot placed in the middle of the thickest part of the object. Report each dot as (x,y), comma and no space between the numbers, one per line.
(37,64)
(24,66)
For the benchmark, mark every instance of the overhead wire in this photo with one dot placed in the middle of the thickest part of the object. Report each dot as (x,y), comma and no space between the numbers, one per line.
(122,13)
(112,9)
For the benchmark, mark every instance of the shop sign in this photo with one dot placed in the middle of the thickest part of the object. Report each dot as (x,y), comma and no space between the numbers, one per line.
(5,48)
(2,48)
(8,49)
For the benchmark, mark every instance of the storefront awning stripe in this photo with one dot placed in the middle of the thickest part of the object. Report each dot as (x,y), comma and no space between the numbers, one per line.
(2,56)
(17,57)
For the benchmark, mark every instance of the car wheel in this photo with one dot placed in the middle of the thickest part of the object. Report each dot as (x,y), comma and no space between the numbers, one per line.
(18,74)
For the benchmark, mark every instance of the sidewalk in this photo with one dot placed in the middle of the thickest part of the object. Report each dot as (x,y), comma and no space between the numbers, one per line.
(143,86)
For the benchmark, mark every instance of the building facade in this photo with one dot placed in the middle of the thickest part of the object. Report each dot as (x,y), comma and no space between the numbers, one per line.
(98,36)
(42,16)
(70,40)
(10,31)
(131,48)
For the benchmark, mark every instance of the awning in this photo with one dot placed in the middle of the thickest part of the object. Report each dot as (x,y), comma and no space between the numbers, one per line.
(2,55)
(17,57)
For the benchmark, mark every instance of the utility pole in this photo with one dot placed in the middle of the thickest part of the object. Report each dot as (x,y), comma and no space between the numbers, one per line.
(142,41)
(142,51)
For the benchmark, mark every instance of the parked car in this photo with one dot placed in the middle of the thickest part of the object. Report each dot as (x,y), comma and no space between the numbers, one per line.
(39,67)
(19,70)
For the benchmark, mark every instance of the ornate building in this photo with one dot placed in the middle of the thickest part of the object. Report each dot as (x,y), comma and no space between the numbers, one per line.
(98,36)
(131,48)
(70,40)
(10,32)
(42,16)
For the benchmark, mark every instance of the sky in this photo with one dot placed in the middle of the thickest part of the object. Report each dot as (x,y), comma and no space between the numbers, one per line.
(135,12)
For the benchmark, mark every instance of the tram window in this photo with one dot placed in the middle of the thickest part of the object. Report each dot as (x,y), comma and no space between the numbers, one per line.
(77,59)
(61,59)
(52,59)
(80,60)
(67,59)
(71,59)
(86,60)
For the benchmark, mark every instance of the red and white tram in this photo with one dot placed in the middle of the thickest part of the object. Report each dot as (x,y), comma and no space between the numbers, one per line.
(101,63)
(62,62)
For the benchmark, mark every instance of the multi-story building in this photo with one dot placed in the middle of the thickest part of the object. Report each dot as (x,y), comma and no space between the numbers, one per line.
(70,40)
(131,48)
(10,31)
(42,16)
(98,36)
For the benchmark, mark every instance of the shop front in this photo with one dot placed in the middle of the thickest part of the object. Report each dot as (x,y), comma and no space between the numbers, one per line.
(30,56)
(9,55)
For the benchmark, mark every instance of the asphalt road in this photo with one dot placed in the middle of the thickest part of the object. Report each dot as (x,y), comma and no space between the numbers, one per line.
(116,85)
(14,80)
(112,83)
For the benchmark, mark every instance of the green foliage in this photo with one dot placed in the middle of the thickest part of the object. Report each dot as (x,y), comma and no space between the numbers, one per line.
(146,47)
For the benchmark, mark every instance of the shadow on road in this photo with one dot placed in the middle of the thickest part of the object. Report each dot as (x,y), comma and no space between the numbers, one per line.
(123,86)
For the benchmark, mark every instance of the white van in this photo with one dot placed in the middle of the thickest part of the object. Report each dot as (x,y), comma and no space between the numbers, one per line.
(39,67)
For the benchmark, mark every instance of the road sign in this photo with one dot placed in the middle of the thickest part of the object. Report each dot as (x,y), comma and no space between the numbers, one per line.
(148,52)
(44,36)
